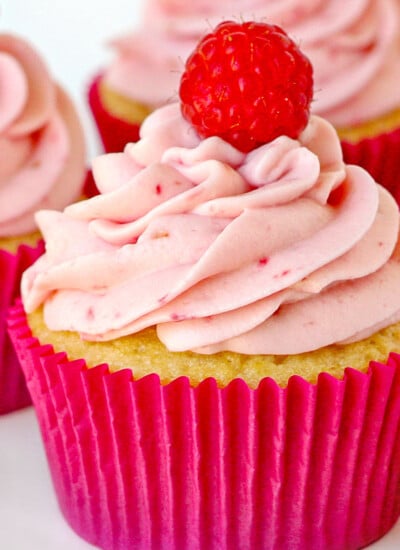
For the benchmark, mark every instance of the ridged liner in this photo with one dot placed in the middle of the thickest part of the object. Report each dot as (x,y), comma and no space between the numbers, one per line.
(140,465)
(380,156)
(13,391)
(114,132)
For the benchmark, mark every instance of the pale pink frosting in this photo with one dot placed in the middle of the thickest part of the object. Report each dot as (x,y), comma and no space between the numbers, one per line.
(354,48)
(281,250)
(42,153)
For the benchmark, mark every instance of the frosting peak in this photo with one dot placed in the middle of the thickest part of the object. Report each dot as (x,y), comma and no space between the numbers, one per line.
(265,252)
(42,153)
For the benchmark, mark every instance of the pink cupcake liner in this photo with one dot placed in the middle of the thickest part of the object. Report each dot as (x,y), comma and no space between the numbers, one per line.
(138,464)
(13,391)
(380,156)
(114,132)
(89,186)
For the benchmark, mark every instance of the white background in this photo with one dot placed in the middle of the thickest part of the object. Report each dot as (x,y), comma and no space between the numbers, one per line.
(72,36)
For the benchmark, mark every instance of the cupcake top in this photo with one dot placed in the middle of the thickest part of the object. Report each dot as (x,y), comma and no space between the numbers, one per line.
(223,250)
(273,248)
(42,153)
(355,50)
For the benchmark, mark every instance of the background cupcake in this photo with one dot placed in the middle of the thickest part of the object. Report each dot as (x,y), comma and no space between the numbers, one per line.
(42,165)
(355,53)
(144,73)
(176,459)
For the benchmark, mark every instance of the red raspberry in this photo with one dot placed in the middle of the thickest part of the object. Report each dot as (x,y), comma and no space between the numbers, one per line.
(247,83)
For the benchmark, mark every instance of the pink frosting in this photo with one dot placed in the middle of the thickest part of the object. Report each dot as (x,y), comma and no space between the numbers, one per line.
(42,153)
(355,50)
(281,250)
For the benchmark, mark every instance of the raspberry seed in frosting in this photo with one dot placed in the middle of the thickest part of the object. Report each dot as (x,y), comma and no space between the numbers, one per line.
(247,83)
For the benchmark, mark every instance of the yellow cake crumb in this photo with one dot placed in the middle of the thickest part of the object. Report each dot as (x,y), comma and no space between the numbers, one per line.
(122,107)
(144,354)
(11,244)
(380,125)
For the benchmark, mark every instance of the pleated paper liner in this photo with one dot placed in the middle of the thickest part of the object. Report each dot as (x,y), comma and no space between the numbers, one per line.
(380,156)
(114,132)
(13,392)
(141,465)
(89,187)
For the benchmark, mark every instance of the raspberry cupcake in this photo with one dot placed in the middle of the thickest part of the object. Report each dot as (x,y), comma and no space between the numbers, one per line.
(42,166)
(355,53)
(211,342)
(361,96)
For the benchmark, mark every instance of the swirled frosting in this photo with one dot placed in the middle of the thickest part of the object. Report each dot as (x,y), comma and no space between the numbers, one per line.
(281,250)
(355,50)
(42,154)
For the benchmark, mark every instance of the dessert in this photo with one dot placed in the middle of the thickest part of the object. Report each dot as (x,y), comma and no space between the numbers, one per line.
(42,166)
(355,53)
(143,75)
(187,334)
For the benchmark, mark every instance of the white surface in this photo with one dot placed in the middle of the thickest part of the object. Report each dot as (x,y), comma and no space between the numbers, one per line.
(29,516)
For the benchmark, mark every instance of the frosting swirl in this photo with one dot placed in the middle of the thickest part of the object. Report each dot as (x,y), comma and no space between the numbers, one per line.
(355,51)
(42,154)
(222,250)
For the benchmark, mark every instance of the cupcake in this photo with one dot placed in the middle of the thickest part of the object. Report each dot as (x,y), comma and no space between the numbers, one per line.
(360,97)
(42,166)
(355,53)
(210,343)
(143,75)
